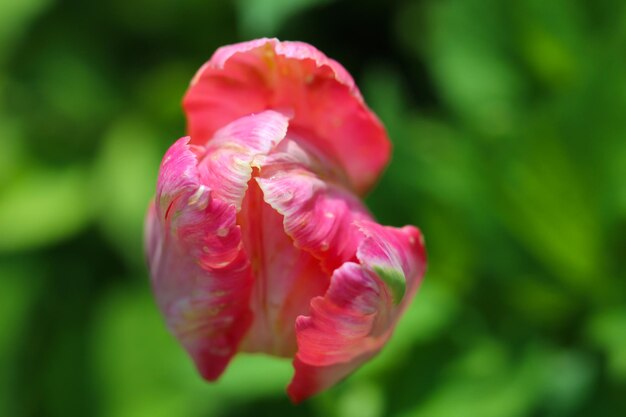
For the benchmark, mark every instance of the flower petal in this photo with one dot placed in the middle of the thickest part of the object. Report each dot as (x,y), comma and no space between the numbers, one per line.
(391,253)
(285,278)
(318,215)
(294,77)
(200,274)
(226,166)
(356,316)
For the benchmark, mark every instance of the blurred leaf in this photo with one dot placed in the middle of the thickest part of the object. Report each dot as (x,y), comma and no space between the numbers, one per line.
(548,208)
(161,90)
(488,382)
(125,181)
(14,19)
(549,57)
(206,23)
(553,39)
(42,207)
(364,399)
(607,329)
(426,318)
(263,17)
(72,84)
(471,64)
(541,302)
(483,385)
(616,165)
(18,289)
(438,147)
(13,154)
(569,378)
(144,372)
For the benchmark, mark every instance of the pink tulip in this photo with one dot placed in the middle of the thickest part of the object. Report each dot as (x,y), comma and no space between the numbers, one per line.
(257,240)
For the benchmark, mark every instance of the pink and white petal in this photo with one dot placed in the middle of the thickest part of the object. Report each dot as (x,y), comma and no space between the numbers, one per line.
(341,321)
(294,77)
(286,278)
(207,314)
(358,313)
(199,271)
(337,336)
(397,256)
(177,175)
(318,215)
(226,167)
(295,152)
(296,51)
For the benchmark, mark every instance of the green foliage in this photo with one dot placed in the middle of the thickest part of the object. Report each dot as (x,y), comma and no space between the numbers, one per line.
(509,131)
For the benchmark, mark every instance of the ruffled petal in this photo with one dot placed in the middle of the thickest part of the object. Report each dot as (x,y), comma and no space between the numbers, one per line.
(226,166)
(393,254)
(285,278)
(375,269)
(200,274)
(288,49)
(356,316)
(328,110)
(318,215)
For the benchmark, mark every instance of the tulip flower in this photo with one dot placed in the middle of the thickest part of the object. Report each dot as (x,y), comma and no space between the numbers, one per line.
(257,239)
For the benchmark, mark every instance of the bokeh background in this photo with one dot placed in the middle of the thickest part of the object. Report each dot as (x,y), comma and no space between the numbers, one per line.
(508,120)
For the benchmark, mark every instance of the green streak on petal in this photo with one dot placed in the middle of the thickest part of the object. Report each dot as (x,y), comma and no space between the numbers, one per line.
(395,280)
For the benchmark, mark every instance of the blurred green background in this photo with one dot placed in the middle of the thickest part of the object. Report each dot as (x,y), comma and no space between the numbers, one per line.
(508,120)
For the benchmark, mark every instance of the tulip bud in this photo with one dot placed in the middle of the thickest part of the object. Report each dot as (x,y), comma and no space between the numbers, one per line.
(257,240)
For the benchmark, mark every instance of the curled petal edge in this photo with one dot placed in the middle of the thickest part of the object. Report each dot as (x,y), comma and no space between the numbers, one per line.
(356,316)
(200,272)
(292,77)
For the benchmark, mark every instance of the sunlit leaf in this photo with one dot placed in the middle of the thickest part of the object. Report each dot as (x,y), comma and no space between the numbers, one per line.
(125,179)
(43,206)
(607,329)
(14,19)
